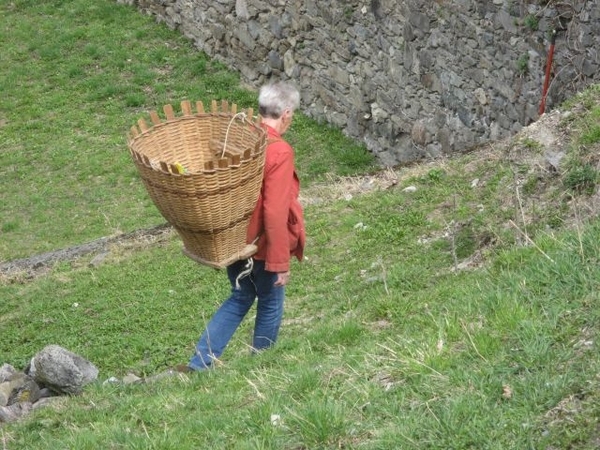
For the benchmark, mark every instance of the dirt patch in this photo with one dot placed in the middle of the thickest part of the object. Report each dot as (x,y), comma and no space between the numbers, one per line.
(28,268)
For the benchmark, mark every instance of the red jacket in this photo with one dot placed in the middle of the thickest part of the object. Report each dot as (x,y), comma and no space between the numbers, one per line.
(277,219)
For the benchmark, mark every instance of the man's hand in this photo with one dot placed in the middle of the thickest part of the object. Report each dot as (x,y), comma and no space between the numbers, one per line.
(282,278)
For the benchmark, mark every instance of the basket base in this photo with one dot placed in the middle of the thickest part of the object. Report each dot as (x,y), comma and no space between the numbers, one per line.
(245,253)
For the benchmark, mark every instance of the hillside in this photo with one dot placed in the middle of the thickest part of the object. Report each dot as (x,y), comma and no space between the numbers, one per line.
(451,303)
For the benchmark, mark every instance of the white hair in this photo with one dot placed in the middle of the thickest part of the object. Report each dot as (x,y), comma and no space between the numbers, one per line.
(275,98)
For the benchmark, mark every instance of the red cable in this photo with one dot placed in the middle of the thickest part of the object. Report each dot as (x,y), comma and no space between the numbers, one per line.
(548,69)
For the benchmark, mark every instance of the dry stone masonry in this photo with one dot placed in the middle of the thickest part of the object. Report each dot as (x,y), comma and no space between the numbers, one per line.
(410,79)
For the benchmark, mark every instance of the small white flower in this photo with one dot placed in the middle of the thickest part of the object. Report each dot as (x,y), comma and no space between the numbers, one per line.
(275,420)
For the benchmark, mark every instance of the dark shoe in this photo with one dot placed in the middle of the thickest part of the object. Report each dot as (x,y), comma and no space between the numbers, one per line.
(182,368)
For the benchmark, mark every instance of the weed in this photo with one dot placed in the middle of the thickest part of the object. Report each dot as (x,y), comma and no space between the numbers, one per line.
(531,22)
(348,12)
(530,184)
(135,100)
(523,64)
(531,144)
(435,176)
(7,227)
(465,242)
(581,179)
(591,136)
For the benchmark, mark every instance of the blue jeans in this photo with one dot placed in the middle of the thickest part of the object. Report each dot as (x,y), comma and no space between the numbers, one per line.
(269,312)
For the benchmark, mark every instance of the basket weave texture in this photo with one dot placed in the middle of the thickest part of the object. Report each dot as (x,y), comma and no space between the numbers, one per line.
(203,170)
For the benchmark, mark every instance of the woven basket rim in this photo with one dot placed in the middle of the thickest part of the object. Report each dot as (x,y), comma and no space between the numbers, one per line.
(143,130)
(187,113)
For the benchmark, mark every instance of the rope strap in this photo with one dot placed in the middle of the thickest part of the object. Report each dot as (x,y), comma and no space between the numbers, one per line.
(244,273)
(243,116)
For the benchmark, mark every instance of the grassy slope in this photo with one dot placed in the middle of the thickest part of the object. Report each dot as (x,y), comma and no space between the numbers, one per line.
(384,345)
(75,75)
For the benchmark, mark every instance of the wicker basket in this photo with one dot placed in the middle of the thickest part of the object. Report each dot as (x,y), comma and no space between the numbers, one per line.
(204,172)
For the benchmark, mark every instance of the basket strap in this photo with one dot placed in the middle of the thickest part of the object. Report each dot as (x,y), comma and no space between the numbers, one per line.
(244,273)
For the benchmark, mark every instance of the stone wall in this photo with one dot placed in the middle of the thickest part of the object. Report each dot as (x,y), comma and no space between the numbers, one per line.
(411,78)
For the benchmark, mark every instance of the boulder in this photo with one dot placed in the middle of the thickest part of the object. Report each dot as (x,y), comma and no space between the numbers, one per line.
(62,371)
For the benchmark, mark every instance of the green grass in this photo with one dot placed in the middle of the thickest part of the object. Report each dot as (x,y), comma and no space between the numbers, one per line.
(75,76)
(383,346)
(582,170)
(388,341)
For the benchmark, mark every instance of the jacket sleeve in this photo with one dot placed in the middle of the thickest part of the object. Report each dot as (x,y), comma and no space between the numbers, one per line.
(277,196)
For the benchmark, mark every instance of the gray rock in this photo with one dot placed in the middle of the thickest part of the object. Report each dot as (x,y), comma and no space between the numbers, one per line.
(6,370)
(5,390)
(131,378)
(241,9)
(162,375)
(14,412)
(46,401)
(46,392)
(19,388)
(554,159)
(63,371)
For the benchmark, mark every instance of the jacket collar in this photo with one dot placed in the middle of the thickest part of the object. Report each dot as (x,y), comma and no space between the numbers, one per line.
(271,132)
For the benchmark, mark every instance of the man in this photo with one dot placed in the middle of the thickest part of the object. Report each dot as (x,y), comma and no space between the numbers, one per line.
(277,226)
